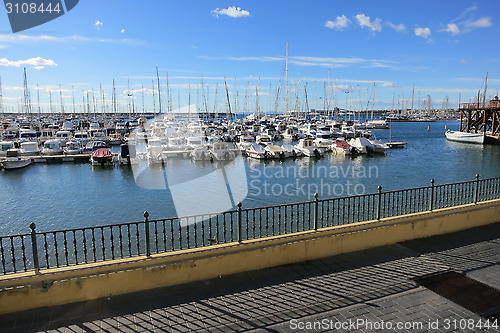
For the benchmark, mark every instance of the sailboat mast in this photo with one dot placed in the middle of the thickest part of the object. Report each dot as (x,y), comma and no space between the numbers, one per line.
(27,103)
(72,97)
(286,78)
(159,92)
(1,100)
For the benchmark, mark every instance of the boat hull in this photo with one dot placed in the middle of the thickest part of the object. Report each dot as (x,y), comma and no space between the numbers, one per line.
(16,164)
(477,138)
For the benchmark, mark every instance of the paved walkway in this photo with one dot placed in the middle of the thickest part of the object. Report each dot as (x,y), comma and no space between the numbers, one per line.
(364,291)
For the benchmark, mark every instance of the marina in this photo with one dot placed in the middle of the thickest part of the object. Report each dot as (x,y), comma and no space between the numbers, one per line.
(89,190)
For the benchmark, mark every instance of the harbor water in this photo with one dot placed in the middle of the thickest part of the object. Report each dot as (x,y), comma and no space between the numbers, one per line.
(73,195)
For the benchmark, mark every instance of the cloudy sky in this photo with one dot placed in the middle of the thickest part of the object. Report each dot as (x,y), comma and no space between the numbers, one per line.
(344,53)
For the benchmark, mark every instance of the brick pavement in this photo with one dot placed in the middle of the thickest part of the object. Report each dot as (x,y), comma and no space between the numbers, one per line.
(371,286)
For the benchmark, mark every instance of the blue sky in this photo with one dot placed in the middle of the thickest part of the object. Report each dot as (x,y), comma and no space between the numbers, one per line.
(374,50)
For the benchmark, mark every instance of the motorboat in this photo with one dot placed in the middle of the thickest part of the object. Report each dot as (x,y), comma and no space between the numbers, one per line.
(220,152)
(342,147)
(377,124)
(257,151)
(128,154)
(365,146)
(63,136)
(52,147)
(154,151)
(81,136)
(4,146)
(467,137)
(246,141)
(27,135)
(29,148)
(94,145)
(115,139)
(73,148)
(193,142)
(14,160)
(102,156)
(275,151)
(291,151)
(175,143)
(263,139)
(200,153)
(308,148)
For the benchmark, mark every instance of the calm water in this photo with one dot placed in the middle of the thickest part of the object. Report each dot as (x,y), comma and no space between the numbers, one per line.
(59,196)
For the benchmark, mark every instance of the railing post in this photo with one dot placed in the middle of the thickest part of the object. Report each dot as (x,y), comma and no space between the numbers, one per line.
(476,189)
(240,226)
(431,196)
(148,245)
(316,195)
(34,247)
(379,202)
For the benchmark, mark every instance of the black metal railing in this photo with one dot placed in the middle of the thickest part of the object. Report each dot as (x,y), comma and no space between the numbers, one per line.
(51,249)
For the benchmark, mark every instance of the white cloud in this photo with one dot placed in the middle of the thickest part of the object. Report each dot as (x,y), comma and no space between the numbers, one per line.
(317,61)
(365,21)
(452,28)
(37,62)
(422,32)
(398,27)
(232,11)
(340,23)
(483,22)
(27,39)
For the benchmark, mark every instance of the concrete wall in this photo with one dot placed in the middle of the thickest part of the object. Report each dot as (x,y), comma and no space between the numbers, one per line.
(65,285)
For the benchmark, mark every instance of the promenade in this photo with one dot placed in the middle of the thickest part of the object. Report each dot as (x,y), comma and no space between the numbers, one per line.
(362,291)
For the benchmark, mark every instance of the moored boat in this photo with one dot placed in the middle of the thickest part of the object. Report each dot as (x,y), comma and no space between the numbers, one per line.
(14,160)
(458,136)
(102,156)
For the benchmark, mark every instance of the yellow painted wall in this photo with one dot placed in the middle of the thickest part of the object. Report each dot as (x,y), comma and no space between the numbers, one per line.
(65,285)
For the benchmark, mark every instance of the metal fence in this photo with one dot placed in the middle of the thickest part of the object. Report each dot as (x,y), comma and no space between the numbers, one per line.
(50,249)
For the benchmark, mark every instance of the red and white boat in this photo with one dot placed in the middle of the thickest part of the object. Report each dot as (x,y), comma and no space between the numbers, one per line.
(102,156)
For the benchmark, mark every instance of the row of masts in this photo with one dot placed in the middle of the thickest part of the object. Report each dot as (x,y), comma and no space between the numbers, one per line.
(90,103)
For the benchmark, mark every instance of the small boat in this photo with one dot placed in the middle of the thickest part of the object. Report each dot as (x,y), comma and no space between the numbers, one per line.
(220,152)
(52,147)
(102,156)
(154,151)
(29,148)
(128,154)
(308,148)
(458,136)
(246,141)
(193,142)
(14,160)
(342,147)
(115,139)
(5,146)
(263,139)
(377,124)
(291,151)
(257,151)
(63,136)
(200,153)
(275,151)
(94,145)
(175,143)
(82,136)
(73,148)
(365,146)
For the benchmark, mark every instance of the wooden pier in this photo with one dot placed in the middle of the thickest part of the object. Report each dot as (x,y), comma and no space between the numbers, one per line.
(482,117)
